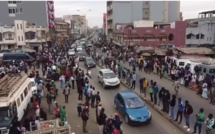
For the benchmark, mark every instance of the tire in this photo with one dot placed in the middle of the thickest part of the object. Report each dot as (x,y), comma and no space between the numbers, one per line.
(126,119)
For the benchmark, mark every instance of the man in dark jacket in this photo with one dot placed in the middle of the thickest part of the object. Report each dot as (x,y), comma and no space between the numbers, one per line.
(85,117)
(101,120)
(188,110)
(161,95)
(166,101)
(172,106)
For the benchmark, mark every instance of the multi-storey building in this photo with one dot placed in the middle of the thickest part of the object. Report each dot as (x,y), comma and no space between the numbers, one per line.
(31,11)
(80,24)
(105,23)
(201,30)
(129,11)
(62,30)
(22,34)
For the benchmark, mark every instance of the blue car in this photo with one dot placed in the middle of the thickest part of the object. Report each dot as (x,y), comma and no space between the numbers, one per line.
(132,107)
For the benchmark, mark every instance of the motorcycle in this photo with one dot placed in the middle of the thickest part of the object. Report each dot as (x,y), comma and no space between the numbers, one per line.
(89,73)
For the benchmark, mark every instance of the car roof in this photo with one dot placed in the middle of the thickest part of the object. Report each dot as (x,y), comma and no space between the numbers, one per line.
(106,70)
(88,58)
(128,94)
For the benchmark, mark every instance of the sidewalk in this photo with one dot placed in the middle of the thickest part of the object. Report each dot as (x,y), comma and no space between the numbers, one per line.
(186,94)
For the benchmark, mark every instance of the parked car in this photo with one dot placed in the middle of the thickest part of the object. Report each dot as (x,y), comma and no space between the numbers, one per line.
(132,107)
(89,45)
(81,55)
(89,62)
(108,79)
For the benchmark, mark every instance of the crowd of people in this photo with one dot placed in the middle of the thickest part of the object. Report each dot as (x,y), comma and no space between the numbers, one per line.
(159,95)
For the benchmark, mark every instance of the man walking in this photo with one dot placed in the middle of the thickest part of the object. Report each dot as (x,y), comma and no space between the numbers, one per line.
(155,92)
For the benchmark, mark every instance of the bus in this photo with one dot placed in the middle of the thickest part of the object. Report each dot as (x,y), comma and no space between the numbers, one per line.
(15,96)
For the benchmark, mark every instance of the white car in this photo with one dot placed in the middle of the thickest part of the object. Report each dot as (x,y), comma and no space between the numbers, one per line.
(89,45)
(71,52)
(108,79)
(79,48)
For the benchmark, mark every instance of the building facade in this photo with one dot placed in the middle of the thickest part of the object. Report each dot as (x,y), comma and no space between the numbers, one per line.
(62,30)
(80,24)
(201,31)
(31,11)
(23,34)
(105,23)
(153,35)
(129,11)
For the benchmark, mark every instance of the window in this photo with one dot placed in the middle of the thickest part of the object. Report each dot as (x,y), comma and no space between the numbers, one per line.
(18,102)
(210,38)
(26,91)
(189,36)
(20,26)
(17,10)
(134,103)
(12,11)
(22,97)
(18,38)
(20,10)
(181,63)
(10,2)
(212,71)
(120,100)
(17,26)
(22,38)
(14,2)
(204,70)
(31,84)
(9,35)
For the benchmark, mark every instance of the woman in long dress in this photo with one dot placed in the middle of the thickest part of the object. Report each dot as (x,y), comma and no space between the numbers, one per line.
(205,90)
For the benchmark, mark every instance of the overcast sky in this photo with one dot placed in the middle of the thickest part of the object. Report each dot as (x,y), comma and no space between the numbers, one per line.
(189,8)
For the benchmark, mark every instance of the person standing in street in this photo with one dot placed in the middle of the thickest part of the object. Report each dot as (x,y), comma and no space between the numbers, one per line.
(172,106)
(101,120)
(141,85)
(145,85)
(180,110)
(200,117)
(155,92)
(134,77)
(188,110)
(151,90)
(73,82)
(210,124)
(85,118)
(66,94)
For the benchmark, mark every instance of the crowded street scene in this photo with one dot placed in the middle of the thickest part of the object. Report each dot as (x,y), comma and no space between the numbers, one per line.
(69,75)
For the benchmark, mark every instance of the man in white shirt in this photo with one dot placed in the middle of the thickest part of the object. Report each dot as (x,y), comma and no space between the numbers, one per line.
(73,82)
(134,77)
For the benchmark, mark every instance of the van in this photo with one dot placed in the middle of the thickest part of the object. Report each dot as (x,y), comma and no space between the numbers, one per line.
(207,69)
(9,57)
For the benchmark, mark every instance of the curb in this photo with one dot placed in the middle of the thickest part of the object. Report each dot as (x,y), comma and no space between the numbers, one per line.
(156,109)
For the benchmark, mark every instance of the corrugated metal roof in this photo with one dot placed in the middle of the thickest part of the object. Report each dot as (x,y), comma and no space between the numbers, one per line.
(194,50)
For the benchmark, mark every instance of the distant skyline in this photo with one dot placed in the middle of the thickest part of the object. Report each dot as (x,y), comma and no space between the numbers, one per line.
(190,9)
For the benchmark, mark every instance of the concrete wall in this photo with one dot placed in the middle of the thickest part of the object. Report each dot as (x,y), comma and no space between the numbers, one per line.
(207,28)
(126,11)
(32,11)
(157,11)
(174,11)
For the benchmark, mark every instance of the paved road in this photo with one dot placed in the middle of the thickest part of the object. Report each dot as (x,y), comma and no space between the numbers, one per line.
(158,125)
(185,93)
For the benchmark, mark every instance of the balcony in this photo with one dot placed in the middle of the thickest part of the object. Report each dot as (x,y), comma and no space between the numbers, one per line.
(8,29)
(109,8)
(110,17)
(30,28)
(110,27)
(41,28)
(146,6)
(9,40)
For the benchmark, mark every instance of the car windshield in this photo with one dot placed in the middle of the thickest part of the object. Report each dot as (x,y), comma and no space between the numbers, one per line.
(134,103)
(71,50)
(109,75)
(80,54)
(90,61)
(5,114)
